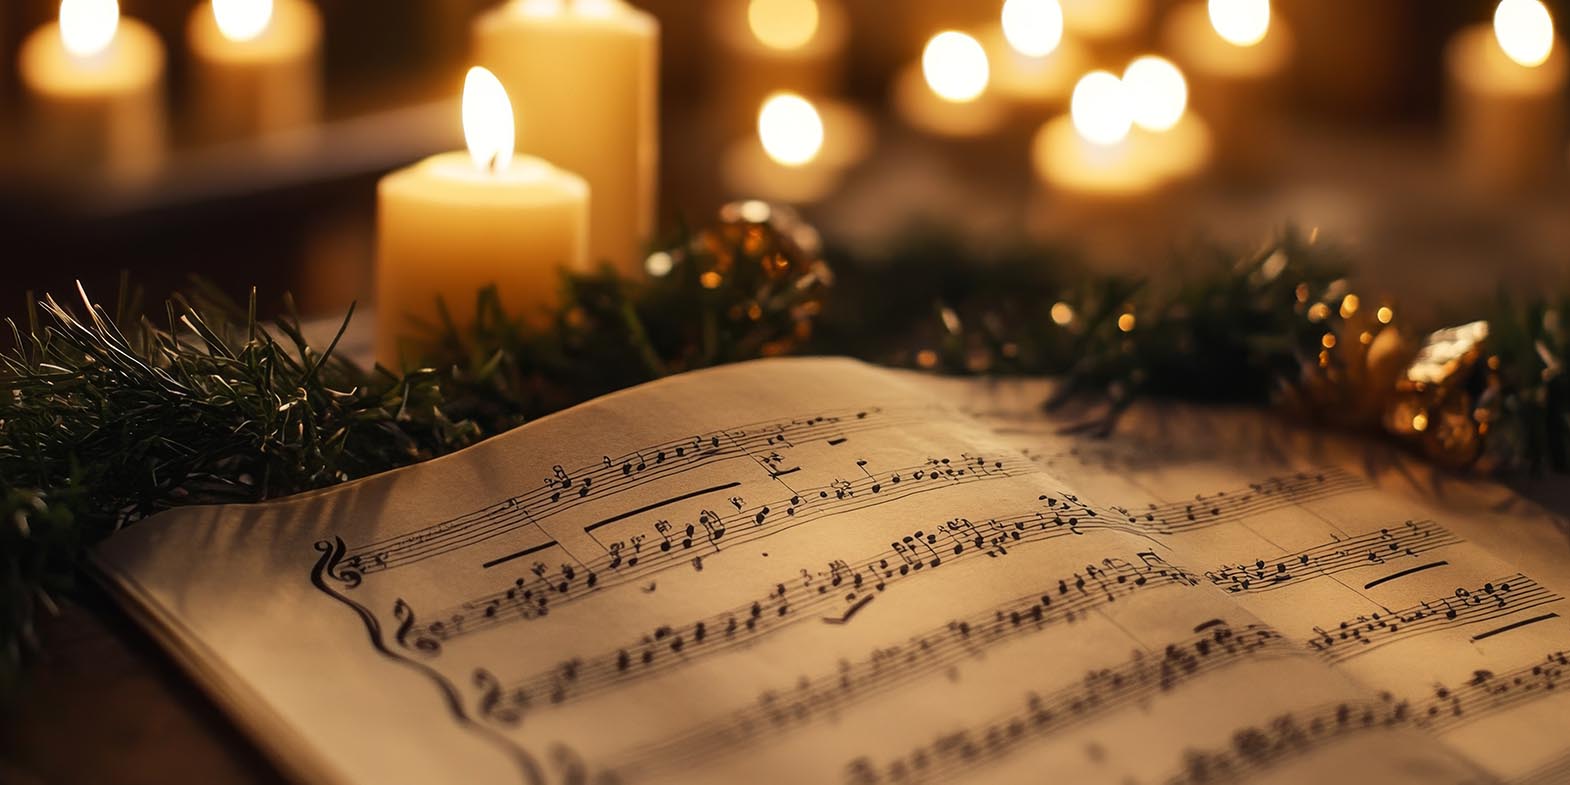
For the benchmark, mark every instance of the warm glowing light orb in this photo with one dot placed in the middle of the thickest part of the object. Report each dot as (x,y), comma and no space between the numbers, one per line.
(1241,22)
(487,121)
(1034,28)
(791,129)
(242,20)
(88,26)
(783,24)
(1525,31)
(1157,92)
(1101,109)
(955,66)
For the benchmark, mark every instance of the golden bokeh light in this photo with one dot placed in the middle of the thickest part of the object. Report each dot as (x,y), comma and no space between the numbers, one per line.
(790,129)
(1240,22)
(955,67)
(783,24)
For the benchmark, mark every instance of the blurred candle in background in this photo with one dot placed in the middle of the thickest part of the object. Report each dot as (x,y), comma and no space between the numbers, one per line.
(458,222)
(1089,152)
(1506,85)
(946,93)
(773,45)
(1033,64)
(800,150)
(1236,57)
(586,74)
(257,69)
(1177,141)
(93,83)
(1123,138)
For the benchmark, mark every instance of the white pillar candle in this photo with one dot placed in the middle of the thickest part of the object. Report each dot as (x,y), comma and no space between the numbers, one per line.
(94,88)
(1506,85)
(946,93)
(1236,57)
(458,222)
(766,46)
(585,74)
(257,68)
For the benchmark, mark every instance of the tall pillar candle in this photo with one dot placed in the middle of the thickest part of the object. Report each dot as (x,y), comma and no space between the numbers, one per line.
(1506,85)
(1235,56)
(257,68)
(93,84)
(584,77)
(456,223)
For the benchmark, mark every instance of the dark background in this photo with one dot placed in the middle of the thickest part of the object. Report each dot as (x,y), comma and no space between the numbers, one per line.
(1358,146)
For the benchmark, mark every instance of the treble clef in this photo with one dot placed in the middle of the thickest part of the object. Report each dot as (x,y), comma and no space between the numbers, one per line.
(408,637)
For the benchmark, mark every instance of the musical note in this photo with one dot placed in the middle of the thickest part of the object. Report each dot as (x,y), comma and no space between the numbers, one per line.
(713,531)
(1260,748)
(1364,633)
(1376,547)
(1100,692)
(566,488)
(1054,602)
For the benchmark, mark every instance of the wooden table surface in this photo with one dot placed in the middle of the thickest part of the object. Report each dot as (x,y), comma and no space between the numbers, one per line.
(105,705)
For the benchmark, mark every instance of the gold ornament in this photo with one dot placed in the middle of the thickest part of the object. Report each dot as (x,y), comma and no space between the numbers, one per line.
(1442,400)
(762,265)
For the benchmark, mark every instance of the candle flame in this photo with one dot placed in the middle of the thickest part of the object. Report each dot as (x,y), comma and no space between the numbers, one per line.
(242,20)
(487,121)
(783,24)
(88,26)
(1034,28)
(791,129)
(1525,31)
(955,66)
(1157,92)
(1241,22)
(1101,108)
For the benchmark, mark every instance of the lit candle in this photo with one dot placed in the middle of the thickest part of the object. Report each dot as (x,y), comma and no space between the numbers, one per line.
(257,67)
(94,89)
(1123,138)
(800,152)
(1236,57)
(1088,151)
(777,45)
(946,94)
(1033,64)
(587,74)
(458,222)
(1507,99)
(1178,143)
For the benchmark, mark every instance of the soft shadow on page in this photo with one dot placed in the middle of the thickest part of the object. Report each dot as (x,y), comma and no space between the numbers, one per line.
(1445,595)
(804,570)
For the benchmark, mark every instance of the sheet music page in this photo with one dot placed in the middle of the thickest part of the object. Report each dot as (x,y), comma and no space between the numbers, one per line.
(814,571)
(1374,564)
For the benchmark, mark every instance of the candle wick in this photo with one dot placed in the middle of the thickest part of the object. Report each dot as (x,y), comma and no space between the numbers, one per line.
(494,162)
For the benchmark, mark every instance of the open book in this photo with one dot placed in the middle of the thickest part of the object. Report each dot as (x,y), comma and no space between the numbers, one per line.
(817,571)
